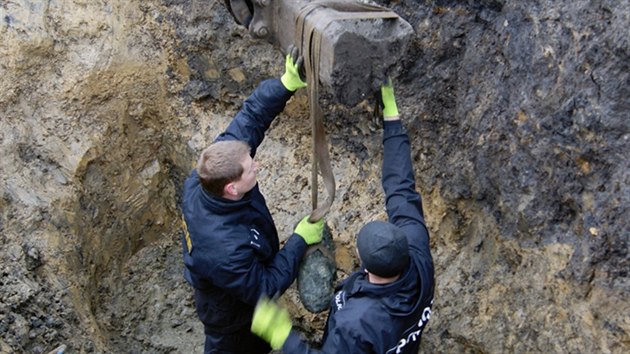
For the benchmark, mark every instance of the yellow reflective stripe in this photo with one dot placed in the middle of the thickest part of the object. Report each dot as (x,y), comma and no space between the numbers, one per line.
(189,244)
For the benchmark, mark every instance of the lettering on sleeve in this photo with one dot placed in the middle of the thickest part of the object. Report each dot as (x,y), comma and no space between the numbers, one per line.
(254,237)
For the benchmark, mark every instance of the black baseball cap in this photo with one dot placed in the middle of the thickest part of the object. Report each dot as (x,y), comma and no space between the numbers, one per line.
(383,248)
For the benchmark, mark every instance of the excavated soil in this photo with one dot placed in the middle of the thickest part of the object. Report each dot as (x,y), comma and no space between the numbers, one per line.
(518,116)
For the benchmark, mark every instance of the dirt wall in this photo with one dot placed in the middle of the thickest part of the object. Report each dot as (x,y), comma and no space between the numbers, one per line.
(518,115)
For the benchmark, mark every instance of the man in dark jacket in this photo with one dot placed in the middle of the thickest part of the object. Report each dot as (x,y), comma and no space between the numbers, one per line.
(230,242)
(384,307)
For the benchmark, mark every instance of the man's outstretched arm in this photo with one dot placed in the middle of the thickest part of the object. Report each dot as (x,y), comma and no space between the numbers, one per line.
(264,104)
(402,201)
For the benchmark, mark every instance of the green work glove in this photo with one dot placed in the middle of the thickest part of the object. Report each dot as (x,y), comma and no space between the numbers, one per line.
(389,101)
(271,322)
(293,77)
(311,232)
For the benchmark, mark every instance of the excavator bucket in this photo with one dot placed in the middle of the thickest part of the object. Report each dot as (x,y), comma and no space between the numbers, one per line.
(360,44)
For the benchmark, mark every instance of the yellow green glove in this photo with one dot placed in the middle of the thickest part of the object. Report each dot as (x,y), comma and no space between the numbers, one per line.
(389,101)
(293,77)
(271,322)
(312,233)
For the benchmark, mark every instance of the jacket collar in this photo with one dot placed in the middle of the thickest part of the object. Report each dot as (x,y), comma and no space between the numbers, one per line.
(220,205)
(400,297)
(363,285)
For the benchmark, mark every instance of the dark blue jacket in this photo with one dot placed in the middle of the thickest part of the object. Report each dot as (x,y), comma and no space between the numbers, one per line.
(233,256)
(370,318)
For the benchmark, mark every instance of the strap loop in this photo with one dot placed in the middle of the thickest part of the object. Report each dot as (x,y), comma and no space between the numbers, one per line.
(321,14)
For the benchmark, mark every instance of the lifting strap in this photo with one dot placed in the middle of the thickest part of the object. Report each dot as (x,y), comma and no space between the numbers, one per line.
(321,14)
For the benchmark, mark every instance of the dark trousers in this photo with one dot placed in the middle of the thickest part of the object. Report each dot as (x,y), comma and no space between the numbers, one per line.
(243,341)
(234,335)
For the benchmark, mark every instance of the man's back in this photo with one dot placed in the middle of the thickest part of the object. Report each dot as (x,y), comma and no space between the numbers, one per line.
(375,318)
(220,231)
(230,244)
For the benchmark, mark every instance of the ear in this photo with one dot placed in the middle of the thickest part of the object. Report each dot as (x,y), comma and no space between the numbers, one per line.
(230,189)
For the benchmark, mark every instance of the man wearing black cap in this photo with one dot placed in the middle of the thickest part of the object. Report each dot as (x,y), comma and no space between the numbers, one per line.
(384,307)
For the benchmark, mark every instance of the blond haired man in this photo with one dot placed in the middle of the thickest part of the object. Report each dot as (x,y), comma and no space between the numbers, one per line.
(230,242)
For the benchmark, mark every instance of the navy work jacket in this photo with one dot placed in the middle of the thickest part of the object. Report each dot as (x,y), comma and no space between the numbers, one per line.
(384,319)
(231,248)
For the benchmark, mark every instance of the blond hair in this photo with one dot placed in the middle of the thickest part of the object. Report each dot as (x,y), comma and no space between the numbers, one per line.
(220,164)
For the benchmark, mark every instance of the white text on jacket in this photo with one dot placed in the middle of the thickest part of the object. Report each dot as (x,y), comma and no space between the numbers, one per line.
(413,332)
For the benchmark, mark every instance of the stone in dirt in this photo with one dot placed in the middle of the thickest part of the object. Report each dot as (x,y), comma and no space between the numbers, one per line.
(317,274)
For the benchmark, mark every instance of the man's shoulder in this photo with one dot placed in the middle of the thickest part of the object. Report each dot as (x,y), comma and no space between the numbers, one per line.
(423,263)
(359,317)
(360,308)
(192,180)
(214,230)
